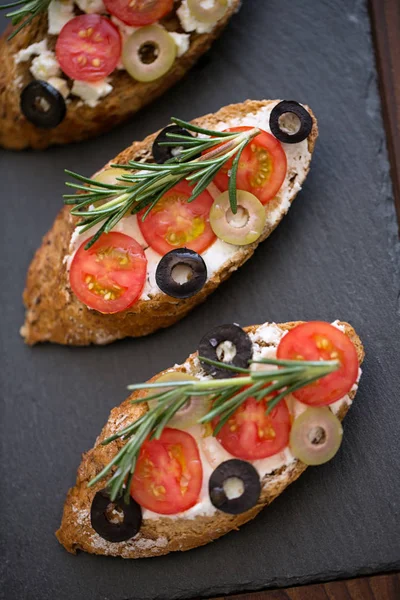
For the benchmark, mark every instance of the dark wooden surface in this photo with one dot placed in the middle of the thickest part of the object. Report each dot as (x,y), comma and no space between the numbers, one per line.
(381,587)
(385,19)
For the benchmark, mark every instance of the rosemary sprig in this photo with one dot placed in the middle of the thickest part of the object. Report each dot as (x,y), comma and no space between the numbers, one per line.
(225,395)
(27,11)
(144,184)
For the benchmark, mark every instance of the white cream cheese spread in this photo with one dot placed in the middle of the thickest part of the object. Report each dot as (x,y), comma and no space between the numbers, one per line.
(220,252)
(265,341)
(58,14)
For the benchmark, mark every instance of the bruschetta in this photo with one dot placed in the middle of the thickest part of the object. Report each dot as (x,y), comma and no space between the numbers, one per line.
(153,235)
(200,449)
(81,67)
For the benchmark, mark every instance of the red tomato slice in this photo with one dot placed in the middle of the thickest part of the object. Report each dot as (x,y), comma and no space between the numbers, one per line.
(262,167)
(89,47)
(139,12)
(109,277)
(168,475)
(317,340)
(175,223)
(250,433)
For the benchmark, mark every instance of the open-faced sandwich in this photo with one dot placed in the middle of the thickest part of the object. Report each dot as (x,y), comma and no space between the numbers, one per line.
(165,222)
(72,69)
(204,446)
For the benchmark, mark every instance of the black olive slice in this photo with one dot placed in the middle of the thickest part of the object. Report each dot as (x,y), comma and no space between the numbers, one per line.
(42,104)
(115,532)
(246,474)
(226,343)
(163,153)
(293,108)
(195,266)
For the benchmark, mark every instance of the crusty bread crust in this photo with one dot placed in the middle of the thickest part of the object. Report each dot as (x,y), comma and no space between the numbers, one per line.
(55,314)
(163,535)
(83,122)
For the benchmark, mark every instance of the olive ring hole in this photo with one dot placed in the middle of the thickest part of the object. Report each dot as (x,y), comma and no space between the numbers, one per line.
(182,273)
(185,408)
(41,104)
(149,52)
(317,436)
(114,514)
(233,487)
(226,351)
(115,520)
(290,123)
(240,219)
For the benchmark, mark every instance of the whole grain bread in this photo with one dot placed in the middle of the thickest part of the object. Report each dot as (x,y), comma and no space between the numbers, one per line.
(55,314)
(83,122)
(163,535)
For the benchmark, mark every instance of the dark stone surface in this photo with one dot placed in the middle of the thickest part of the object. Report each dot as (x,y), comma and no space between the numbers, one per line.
(334,256)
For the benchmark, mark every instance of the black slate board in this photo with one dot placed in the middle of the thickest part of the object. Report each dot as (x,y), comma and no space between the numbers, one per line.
(334,256)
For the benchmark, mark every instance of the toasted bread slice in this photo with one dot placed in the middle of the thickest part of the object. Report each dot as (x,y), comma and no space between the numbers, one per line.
(55,314)
(160,534)
(82,121)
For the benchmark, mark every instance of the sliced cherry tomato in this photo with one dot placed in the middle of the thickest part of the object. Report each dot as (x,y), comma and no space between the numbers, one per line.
(89,47)
(168,475)
(317,340)
(139,12)
(250,433)
(110,276)
(175,223)
(262,167)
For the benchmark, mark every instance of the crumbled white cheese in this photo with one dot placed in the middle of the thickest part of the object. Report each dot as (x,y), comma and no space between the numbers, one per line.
(268,333)
(60,84)
(124,29)
(91,92)
(59,13)
(206,4)
(226,351)
(19,81)
(339,326)
(91,6)
(189,21)
(182,42)
(34,49)
(45,66)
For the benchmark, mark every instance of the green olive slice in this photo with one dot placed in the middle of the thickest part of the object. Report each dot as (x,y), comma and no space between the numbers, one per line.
(111,176)
(148,53)
(316,436)
(190,413)
(245,226)
(208,11)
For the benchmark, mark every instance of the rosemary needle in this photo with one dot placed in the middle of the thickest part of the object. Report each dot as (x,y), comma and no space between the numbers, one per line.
(26,11)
